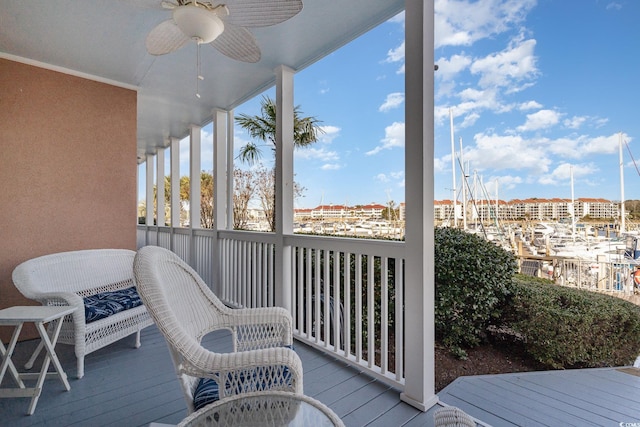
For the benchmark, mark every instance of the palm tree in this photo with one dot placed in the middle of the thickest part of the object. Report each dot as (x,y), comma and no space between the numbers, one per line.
(305,129)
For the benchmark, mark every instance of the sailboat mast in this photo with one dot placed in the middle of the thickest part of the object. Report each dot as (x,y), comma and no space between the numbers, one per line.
(573,208)
(453,168)
(622,212)
(464,189)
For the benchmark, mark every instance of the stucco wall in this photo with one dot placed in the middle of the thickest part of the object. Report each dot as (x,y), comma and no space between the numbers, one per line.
(67,167)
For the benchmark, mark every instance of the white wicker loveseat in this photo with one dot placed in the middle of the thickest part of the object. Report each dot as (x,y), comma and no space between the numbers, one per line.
(185,310)
(101,279)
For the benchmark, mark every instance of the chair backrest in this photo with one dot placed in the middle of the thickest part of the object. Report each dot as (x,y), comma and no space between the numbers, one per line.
(82,272)
(180,303)
(451,416)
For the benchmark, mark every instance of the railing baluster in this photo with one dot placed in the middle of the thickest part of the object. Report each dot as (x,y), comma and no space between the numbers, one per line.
(326,292)
(358,297)
(316,305)
(384,315)
(337,318)
(347,304)
(399,319)
(371,334)
(308,288)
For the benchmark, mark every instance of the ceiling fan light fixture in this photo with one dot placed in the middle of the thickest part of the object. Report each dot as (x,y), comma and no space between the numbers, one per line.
(198,23)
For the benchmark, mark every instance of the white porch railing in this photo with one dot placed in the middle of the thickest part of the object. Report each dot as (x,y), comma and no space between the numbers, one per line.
(603,276)
(347,294)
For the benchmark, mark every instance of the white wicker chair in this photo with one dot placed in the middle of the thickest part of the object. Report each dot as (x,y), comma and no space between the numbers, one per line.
(451,416)
(185,310)
(65,278)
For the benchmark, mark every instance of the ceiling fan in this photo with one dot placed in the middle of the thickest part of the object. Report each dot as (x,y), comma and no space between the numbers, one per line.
(223,25)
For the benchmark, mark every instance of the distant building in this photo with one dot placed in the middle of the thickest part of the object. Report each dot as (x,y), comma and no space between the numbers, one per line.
(483,210)
(533,209)
(340,212)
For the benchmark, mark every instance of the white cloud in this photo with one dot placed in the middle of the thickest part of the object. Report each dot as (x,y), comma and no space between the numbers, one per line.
(381,178)
(529,105)
(394,137)
(502,152)
(391,176)
(561,175)
(329,133)
(614,6)
(441,164)
(542,119)
(512,68)
(600,145)
(317,153)
(574,122)
(331,166)
(505,182)
(449,68)
(397,55)
(394,100)
(463,22)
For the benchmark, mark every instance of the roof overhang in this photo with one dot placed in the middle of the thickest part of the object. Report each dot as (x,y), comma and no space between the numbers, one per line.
(105,41)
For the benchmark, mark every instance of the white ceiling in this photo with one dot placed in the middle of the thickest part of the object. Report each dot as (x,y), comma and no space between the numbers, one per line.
(105,39)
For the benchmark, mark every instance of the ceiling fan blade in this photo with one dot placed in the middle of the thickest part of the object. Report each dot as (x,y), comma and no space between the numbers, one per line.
(168,5)
(165,38)
(237,43)
(261,13)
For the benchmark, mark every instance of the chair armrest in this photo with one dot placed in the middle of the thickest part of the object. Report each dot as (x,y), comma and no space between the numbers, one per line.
(60,298)
(259,328)
(248,371)
(65,298)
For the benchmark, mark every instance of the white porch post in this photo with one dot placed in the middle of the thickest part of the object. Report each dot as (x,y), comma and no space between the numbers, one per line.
(419,353)
(284,184)
(195,165)
(220,170)
(230,169)
(149,190)
(220,187)
(175,182)
(160,186)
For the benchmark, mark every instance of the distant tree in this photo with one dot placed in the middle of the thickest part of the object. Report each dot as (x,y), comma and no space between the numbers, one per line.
(391,212)
(243,191)
(263,127)
(265,186)
(206,198)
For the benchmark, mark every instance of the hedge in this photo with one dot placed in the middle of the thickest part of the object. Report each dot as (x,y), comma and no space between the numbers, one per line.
(572,328)
(471,278)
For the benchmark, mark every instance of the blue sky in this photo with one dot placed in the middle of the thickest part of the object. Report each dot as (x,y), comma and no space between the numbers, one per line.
(537,88)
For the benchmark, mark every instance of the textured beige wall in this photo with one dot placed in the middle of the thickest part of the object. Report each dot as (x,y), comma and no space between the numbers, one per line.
(67,167)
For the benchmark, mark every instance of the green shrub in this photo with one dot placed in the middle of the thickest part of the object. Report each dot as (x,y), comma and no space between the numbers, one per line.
(471,276)
(572,328)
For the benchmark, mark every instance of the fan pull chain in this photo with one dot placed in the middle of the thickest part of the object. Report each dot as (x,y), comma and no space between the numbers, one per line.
(199,75)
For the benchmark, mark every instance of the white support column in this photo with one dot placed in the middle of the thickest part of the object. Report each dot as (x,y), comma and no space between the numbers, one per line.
(175,182)
(419,390)
(195,166)
(284,183)
(230,168)
(160,186)
(220,169)
(149,190)
(219,189)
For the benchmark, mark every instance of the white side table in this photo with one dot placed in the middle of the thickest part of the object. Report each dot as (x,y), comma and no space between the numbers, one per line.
(38,315)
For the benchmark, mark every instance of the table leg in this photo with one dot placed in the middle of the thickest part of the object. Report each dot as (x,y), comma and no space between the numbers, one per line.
(6,358)
(49,345)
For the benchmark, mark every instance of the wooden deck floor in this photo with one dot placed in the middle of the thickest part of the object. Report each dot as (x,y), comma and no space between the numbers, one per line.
(124,386)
